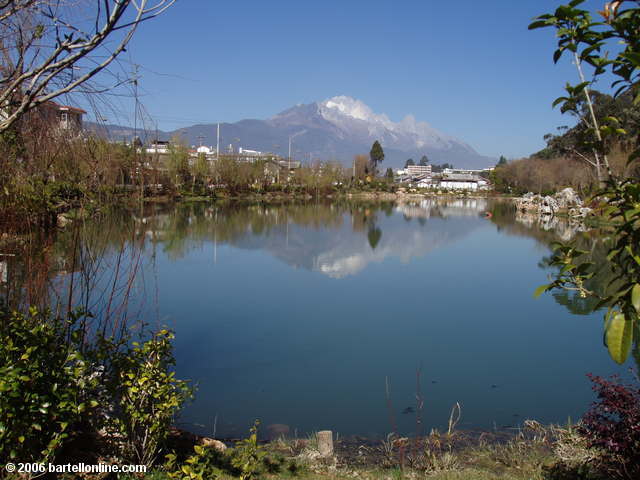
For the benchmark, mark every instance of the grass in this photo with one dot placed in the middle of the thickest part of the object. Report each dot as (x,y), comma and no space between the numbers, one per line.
(517,459)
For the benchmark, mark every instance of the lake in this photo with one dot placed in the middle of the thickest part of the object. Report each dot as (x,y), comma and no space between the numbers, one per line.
(301,315)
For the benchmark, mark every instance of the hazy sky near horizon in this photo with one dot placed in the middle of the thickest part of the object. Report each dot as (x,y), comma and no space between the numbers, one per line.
(470,69)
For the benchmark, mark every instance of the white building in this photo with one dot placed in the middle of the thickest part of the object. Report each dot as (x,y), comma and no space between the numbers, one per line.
(459,181)
(415,170)
(249,153)
(206,150)
(424,183)
(159,146)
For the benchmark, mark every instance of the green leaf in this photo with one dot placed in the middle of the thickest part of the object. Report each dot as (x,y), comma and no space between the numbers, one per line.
(558,101)
(539,24)
(556,56)
(540,290)
(635,297)
(619,337)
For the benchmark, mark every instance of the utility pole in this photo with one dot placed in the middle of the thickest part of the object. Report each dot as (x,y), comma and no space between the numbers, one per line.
(289,156)
(135,133)
(218,143)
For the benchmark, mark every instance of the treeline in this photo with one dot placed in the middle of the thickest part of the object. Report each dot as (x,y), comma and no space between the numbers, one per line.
(48,169)
(567,158)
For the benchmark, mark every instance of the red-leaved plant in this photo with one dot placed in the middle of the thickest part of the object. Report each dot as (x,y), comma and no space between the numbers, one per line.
(612,425)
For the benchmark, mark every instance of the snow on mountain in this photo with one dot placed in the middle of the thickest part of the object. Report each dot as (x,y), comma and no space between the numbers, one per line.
(351,114)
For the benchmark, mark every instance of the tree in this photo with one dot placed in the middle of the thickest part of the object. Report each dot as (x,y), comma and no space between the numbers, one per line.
(579,35)
(178,163)
(409,162)
(389,174)
(424,161)
(376,155)
(47,51)
(585,40)
(502,161)
(361,166)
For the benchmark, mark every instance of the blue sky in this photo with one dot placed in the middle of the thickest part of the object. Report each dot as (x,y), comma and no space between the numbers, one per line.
(471,69)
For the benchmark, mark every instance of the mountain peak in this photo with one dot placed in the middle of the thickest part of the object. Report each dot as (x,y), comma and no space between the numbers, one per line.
(343,105)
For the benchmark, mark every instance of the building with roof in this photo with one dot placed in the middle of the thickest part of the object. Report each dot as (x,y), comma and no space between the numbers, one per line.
(64,116)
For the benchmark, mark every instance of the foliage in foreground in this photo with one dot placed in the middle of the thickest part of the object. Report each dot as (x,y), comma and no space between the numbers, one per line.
(584,39)
(612,426)
(246,460)
(61,384)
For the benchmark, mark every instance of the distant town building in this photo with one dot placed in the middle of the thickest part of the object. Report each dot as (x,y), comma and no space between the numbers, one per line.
(206,150)
(415,170)
(249,153)
(462,181)
(158,147)
(53,114)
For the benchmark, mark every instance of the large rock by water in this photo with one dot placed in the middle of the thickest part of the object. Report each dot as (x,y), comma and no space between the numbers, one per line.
(566,201)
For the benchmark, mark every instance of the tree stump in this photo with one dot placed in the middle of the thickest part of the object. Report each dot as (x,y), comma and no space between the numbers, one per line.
(325,443)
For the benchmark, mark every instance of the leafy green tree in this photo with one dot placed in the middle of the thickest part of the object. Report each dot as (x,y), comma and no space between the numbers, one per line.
(178,162)
(409,162)
(424,161)
(585,40)
(376,155)
(502,161)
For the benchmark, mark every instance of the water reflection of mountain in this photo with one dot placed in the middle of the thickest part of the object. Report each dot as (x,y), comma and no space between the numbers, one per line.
(351,236)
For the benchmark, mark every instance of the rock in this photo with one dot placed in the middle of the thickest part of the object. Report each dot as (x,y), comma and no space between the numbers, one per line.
(584,211)
(63,220)
(568,198)
(549,206)
(213,443)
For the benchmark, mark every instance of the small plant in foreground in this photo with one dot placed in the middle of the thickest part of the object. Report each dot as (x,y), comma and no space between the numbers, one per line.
(248,456)
(150,397)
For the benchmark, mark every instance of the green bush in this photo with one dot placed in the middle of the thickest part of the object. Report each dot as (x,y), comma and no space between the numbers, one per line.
(149,396)
(247,460)
(46,385)
(58,380)
(248,456)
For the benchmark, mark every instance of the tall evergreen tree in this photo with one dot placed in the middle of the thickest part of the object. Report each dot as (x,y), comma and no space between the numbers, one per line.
(376,155)
(424,161)
(409,162)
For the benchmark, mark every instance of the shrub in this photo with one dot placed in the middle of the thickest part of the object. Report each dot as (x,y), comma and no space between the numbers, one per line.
(59,381)
(248,456)
(613,426)
(46,385)
(149,396)
(247,460)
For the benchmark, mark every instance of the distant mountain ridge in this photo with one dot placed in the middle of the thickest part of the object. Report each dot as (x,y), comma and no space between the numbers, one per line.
(335,129)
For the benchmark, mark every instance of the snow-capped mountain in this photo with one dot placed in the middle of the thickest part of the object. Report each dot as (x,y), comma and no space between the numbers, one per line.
(347,120)
(350,114)
(337,129)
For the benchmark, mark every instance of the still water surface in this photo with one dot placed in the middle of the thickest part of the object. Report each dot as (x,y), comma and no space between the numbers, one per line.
(296,315)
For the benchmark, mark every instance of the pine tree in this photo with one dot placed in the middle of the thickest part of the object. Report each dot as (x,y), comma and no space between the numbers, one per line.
(424,161)
(376,155)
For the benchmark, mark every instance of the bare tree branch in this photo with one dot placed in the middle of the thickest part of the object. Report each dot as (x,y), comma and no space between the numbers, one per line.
(41,41)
